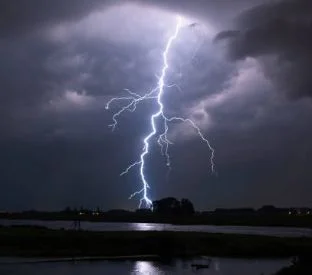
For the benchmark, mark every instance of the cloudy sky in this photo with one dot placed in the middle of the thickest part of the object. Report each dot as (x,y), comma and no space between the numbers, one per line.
(244,75)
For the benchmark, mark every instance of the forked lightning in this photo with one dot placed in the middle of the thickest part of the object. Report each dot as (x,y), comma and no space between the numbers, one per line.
(132,99)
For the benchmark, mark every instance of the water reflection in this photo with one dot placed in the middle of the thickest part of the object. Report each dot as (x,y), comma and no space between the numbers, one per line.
(144,227)
(150,226)
(145,268)
(219,266)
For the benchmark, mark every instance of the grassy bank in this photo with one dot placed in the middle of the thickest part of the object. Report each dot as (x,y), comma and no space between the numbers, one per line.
(42,242)
(256,219)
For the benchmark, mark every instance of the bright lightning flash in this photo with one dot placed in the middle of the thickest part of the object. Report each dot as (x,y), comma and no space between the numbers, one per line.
(156,94)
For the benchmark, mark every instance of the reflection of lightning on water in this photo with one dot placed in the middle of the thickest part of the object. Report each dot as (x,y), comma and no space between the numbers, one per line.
(156,94)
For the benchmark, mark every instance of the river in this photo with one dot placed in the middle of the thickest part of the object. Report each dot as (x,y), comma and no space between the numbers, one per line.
(218,266)
(105,226)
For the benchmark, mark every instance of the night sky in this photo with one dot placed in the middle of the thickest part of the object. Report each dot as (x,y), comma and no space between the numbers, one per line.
(245,78)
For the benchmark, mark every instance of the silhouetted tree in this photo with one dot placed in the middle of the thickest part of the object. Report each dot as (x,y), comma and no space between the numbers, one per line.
(167,206)
(67,210)
(187,207)
(143,211)
(268,209)
(172,206)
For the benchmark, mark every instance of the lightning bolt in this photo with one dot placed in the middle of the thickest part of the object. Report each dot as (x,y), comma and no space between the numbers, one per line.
(133,99)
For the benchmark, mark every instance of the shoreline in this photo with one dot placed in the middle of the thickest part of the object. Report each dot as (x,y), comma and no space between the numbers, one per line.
(252,221)
(31,260)
(32,242)
(27,260)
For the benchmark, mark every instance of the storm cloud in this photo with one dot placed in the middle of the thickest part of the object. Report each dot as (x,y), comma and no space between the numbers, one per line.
(61,61)
(277,33)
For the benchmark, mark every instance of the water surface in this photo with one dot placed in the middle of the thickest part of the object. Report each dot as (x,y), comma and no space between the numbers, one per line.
(109,226)
(219,266)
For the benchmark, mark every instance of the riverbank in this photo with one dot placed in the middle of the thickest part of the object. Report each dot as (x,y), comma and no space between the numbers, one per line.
(256,219)
(42,242)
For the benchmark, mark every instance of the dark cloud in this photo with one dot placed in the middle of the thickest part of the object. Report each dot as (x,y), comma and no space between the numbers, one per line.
(217,12)
(278,33)
(17,17)
(226,35)
(62,60)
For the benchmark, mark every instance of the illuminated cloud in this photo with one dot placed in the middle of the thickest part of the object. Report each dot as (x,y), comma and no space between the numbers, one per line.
(61,61)
(72,100)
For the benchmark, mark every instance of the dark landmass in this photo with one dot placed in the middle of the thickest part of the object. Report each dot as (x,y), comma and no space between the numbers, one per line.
(34,241)
(211,218)
(302,265)
(170,210)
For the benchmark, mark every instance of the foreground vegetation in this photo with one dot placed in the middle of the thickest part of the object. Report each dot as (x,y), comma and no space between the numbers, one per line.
(301,266)
(257,219)
(28,241)
(173,211)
